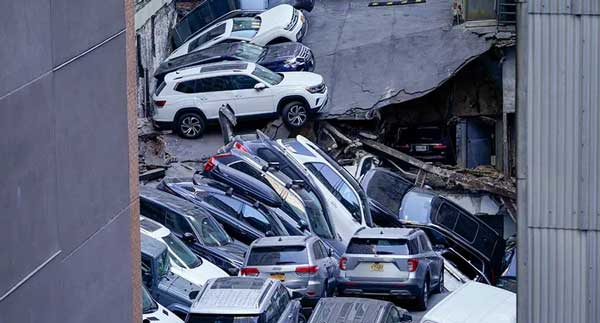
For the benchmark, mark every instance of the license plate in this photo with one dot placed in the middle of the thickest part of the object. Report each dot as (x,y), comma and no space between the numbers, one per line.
(280,277)
(376,267)
(420,148)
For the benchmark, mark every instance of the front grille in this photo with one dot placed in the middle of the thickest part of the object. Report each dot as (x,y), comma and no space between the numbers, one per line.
(304,53)
(294,21)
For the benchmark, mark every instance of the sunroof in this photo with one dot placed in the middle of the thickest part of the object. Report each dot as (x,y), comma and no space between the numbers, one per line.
(223,67)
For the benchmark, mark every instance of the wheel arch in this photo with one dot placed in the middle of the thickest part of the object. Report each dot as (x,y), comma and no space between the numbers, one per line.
(291,98)
(189,109)
(279,40)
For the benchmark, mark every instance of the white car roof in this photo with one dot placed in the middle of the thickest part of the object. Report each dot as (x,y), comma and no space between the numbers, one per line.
(210,69)
(475,303)
(153,229)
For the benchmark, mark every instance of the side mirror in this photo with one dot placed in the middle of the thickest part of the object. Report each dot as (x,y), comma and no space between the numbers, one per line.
(270,233)
(189,237)
(329,252)
(260,86)
(303,225)
(406,318)
(146,321)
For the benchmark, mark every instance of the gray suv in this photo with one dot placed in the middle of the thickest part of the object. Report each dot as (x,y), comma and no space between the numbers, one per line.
(302,263)
(397,262)
(244,299)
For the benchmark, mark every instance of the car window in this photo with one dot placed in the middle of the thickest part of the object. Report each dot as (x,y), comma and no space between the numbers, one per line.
(277,255)
(413,245)
(325,174)
(243,82)
(336,185)
(324,249)
(214,84)
(177,223)
(425,244)
(447,216)
(186,87)
(387,189)
(152,211)
(207,36)
(393,316)
(256,219)
(229,205)
(180,252)
(317,251)
(350,200)
(416,207)
(147,271)
(367,246)
(247,169)
(211,233)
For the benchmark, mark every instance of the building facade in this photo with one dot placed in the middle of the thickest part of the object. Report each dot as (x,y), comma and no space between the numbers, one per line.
(68,199)
(558,107)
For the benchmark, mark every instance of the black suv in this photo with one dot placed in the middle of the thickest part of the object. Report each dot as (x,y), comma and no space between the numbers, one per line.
(195,226)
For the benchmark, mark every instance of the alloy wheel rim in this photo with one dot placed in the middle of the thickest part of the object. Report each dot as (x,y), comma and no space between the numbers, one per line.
(425,294)
(297,115)
(190,126)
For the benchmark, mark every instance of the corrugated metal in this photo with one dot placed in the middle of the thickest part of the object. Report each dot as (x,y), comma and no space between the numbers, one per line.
(562,210)
(586,7)
(553,131)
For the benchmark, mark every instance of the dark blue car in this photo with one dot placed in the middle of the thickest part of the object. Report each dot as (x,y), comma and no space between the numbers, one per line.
(284,57)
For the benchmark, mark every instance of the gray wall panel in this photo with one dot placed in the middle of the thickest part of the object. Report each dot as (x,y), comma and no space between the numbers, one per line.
(25,39)
(28,190)
(78,26)
(92,155)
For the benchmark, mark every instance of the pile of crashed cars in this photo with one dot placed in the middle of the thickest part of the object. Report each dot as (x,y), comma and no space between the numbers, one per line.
(276,230)
(303,235)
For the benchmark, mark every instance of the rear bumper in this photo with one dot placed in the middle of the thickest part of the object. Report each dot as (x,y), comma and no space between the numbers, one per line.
(163,125)
(409,289)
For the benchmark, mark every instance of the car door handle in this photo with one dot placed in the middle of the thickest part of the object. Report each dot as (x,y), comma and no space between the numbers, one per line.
(202,98)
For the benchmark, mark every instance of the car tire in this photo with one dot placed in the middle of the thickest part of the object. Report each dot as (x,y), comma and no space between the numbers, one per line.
(295,114)
(423,299)
(440,285)
(301,318)
(190,125)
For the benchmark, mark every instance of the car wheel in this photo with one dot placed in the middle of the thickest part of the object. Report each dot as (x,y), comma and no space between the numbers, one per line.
(295,114)
(424,297)
(190,125)
(301,318)
(440,286)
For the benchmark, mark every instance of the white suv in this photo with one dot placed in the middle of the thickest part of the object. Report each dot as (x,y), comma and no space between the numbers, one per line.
(189,98)
(279,24)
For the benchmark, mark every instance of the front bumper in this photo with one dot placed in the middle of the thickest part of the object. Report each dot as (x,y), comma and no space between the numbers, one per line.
(408,289)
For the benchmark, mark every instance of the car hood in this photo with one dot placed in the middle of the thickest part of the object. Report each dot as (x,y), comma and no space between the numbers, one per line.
(280,52)
(300,78)
(276,18)
(162,315)
(200,274)
(179,287)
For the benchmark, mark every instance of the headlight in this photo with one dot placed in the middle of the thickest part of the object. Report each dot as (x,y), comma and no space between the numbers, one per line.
(294,62)
(317,88)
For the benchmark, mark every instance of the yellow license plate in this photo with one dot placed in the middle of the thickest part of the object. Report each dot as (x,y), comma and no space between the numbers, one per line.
(278,276)
(376,267)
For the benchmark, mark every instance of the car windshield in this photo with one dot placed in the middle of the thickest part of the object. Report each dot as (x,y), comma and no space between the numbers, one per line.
(220,318)
(248,52)
(180,252)
(245,27)
(277,255)
(378,246)
(211,233)
(319,224)
(387,189)
(163,264)
(148,304)
(416,207)
(267,76)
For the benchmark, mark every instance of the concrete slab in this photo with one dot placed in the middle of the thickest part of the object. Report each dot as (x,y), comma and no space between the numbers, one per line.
(375,56)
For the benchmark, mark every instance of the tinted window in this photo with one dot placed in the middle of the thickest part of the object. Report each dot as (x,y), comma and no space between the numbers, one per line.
(277,255)
(256,219)
(447,216)
(152,211)
(425,245)
(186,87)
(177,223)
(324,249)
(243,82)
(179,249)
(247,169)
(466,228)
(387,189)
(211,233)
(214,84)
(393,316)
(226,204)
(160,87)
(325,174)
(379,246)
(413,244)
(350,200)
(317,251)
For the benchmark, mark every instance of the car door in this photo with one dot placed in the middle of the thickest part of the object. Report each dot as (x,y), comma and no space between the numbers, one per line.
(248,100)
(432,257)
(212,93)
(330,263)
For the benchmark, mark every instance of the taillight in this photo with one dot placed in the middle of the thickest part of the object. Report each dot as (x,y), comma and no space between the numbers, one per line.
(303,270)
(210,164)
(413,264)
(160,103)
(404,147)
(241,147)
(343,262)
(249,271)
(439,146)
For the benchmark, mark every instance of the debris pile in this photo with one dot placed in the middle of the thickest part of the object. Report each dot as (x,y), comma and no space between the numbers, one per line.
(152,156)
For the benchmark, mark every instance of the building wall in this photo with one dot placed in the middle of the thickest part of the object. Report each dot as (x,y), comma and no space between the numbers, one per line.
(68,204)
(559,176)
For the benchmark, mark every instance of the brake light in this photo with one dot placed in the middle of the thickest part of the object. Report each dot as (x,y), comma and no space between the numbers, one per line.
(343,262)
(413,264)
(160,103)
(210,164)
(439,146)
(404,147)
(250,271)
(307,270)
(241,147)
